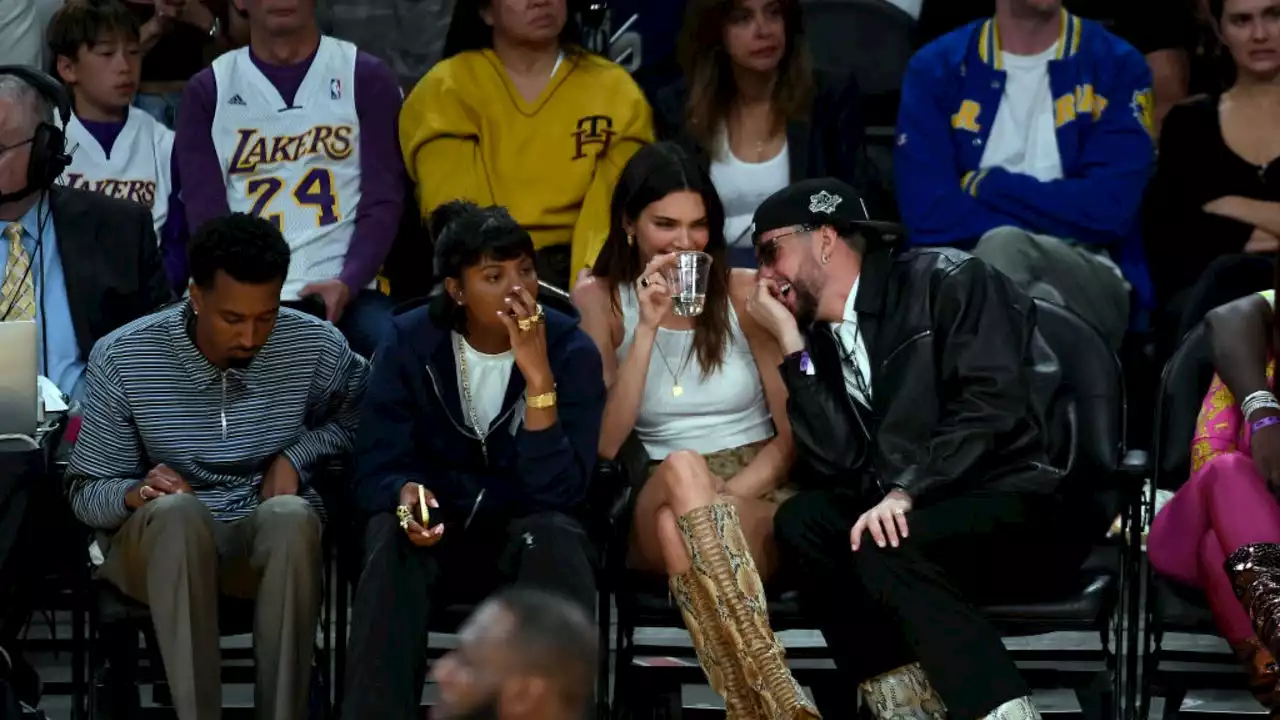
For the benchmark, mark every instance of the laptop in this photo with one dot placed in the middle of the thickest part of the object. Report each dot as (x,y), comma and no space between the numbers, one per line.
(18,369)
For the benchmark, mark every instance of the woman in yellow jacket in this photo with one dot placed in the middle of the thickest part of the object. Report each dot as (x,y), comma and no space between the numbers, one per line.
(519,114)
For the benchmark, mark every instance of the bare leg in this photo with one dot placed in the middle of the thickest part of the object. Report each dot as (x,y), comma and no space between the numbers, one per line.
(682,483)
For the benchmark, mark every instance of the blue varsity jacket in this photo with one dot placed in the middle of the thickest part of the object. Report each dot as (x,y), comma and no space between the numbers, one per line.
(1102,104)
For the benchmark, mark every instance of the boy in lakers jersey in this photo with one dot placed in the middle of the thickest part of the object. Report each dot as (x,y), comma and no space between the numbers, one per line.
(300,129)
(116,150)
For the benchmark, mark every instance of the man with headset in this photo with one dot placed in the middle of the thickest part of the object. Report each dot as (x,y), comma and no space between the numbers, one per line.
(78,263)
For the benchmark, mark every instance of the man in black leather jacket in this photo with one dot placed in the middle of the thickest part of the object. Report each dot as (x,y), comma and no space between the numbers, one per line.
(924,481)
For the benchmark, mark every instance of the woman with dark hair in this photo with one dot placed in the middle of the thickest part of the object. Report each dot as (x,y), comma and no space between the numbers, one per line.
(754,112)
(477,440)
(705,400)
(1228,506)
(1212,216)
(520,115)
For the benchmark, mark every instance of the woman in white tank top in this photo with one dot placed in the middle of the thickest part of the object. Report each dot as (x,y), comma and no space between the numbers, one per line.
(704,397)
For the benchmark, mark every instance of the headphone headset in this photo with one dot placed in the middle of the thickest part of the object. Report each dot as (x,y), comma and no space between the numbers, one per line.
(49,156)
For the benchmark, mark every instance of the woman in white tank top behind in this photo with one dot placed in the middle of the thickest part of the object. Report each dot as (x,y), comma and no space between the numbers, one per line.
(704,397)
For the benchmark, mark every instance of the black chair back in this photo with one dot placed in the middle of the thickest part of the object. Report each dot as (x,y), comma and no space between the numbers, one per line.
(1089,407)
(1183,383)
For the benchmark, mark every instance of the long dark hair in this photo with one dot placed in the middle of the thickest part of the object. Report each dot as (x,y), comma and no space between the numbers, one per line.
(706,64)
(653,173)
(468,30)
(465,234)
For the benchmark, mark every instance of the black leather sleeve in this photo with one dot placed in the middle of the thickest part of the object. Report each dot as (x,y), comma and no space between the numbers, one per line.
(828,441)
(981,330)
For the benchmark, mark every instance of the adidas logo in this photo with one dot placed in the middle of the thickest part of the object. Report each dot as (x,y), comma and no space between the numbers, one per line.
(236,100)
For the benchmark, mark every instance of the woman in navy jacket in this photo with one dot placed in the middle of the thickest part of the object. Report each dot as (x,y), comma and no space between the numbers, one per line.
(488,407)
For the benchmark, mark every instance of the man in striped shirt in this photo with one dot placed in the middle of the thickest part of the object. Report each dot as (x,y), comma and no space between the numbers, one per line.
(206,427)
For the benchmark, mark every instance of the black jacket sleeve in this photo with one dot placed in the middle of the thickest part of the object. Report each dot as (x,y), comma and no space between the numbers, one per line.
(829,441)
(981,328)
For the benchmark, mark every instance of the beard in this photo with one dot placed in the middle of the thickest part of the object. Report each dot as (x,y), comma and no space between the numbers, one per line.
(1036,9)
(486,709)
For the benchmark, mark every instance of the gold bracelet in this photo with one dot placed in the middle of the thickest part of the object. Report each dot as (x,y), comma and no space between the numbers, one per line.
(543,401)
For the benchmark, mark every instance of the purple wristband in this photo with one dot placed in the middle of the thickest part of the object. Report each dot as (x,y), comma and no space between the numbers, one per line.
(1264,422)
(803,360)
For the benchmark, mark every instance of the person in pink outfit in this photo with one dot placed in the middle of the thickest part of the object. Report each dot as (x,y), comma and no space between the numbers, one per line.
(1225,505)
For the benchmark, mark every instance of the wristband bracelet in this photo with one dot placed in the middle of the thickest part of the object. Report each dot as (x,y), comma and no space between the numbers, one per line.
(803,361)
(1264,422)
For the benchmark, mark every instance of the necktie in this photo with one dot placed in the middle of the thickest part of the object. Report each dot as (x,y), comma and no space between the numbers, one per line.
(17,293)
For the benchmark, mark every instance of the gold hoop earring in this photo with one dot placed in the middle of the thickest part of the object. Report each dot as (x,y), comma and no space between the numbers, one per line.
(826,259)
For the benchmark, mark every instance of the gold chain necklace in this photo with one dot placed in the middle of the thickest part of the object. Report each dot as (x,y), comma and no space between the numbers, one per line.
(466,399)
(676,388)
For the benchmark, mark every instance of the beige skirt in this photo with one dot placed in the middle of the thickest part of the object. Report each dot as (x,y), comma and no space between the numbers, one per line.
(727,463)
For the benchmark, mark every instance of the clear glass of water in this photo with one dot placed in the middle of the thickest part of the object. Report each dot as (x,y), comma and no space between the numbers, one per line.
(687,278)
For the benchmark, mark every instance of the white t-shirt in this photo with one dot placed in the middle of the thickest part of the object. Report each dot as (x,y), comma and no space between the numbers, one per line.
(138,169)
(296,165)
(487,376)
(1023,137)
(742,186)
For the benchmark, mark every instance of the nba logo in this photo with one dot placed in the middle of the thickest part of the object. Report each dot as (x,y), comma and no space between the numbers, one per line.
(335,89)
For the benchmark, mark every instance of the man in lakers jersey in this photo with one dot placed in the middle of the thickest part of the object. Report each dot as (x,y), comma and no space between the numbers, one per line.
(300,129)
(115,149)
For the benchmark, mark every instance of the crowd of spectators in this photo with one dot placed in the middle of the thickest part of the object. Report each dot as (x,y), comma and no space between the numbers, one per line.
(202,202)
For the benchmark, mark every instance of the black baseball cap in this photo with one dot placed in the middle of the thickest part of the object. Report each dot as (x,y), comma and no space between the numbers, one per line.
(819,202)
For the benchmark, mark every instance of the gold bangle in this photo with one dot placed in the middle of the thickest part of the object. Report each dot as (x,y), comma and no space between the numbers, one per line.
(543,401)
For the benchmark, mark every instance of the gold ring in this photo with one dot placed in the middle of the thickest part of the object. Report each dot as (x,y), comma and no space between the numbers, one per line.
(404,514)
(526,324)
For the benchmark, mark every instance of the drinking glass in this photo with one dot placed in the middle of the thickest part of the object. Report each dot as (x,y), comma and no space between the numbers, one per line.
(687,278)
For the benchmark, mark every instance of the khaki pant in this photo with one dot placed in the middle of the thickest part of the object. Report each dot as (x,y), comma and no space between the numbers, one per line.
(1065,273)
(173,556)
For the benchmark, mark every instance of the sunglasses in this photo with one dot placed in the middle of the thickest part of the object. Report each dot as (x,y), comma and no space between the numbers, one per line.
(767,250)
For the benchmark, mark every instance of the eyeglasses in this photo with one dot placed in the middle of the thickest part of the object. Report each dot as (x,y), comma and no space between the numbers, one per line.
(767,250)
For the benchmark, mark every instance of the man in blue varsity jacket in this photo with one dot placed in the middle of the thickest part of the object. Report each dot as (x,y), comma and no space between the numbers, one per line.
(1026,138)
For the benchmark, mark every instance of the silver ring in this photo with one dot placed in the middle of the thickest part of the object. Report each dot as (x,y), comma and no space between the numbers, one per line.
(644,282)
(900,513)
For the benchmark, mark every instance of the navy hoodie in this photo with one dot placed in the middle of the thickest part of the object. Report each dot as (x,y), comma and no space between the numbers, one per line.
(412,427)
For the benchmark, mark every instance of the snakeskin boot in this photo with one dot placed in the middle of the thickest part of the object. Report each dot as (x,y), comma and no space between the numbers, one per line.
(1255,575)
(719,661)
(902,694)
(723,568)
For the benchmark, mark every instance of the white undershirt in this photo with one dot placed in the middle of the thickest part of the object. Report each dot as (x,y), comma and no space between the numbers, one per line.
(855,363)
(1023,137)
(742,186)
(488,376)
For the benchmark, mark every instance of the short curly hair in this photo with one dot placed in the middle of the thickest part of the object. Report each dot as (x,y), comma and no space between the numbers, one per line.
(247,248)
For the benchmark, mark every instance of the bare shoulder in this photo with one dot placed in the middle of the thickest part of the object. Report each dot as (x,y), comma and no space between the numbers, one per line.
(588,293)
(598,312)
(741,282)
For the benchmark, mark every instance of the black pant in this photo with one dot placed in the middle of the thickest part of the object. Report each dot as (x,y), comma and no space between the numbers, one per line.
(880,609)
(402,584)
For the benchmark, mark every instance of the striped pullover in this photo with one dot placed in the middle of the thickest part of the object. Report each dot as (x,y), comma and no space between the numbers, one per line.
(153,398)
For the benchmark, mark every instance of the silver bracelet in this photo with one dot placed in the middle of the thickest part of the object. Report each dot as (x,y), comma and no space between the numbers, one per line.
(1257,401)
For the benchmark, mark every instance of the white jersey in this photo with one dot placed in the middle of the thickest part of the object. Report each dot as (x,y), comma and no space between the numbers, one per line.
(139,167)
(297,165)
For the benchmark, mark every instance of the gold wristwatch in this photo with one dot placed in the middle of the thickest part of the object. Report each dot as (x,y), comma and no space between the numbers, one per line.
(543,401)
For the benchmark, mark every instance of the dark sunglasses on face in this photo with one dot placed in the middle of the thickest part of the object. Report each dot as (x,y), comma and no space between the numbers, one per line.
(767,250)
